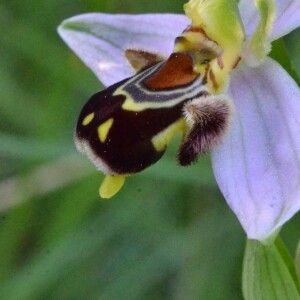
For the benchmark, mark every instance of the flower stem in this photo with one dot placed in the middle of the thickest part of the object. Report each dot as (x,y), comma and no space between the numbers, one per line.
(266,274)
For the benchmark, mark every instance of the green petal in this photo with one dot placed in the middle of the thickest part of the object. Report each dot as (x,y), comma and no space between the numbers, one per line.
(220,20)
(259,46)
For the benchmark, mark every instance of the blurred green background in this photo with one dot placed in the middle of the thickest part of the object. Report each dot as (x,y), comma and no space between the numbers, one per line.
(167,235)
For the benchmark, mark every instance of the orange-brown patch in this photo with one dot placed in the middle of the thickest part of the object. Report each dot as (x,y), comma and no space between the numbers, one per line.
(175,72)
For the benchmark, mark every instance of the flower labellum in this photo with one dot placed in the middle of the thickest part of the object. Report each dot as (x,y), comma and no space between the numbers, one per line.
(127,127)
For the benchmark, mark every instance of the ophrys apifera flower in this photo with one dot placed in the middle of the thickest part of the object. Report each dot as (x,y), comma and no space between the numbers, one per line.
(209,77)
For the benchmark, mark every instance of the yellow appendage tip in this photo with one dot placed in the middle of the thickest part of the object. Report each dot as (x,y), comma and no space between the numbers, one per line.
(111,185)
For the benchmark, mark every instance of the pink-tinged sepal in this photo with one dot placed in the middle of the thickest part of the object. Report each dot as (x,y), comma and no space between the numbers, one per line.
(257,166)
(286,17)
(99,39)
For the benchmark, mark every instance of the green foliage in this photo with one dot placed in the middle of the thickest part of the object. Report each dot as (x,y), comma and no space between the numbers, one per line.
(297,262)
(167,235)
(266,275)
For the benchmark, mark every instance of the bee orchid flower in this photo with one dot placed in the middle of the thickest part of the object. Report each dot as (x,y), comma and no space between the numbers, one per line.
(256,162)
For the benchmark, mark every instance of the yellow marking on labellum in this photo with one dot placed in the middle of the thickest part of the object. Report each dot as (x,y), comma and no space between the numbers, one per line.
(88,119)
(130,105)
(163,138)
(104,128)
(111,185)
(156,98)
